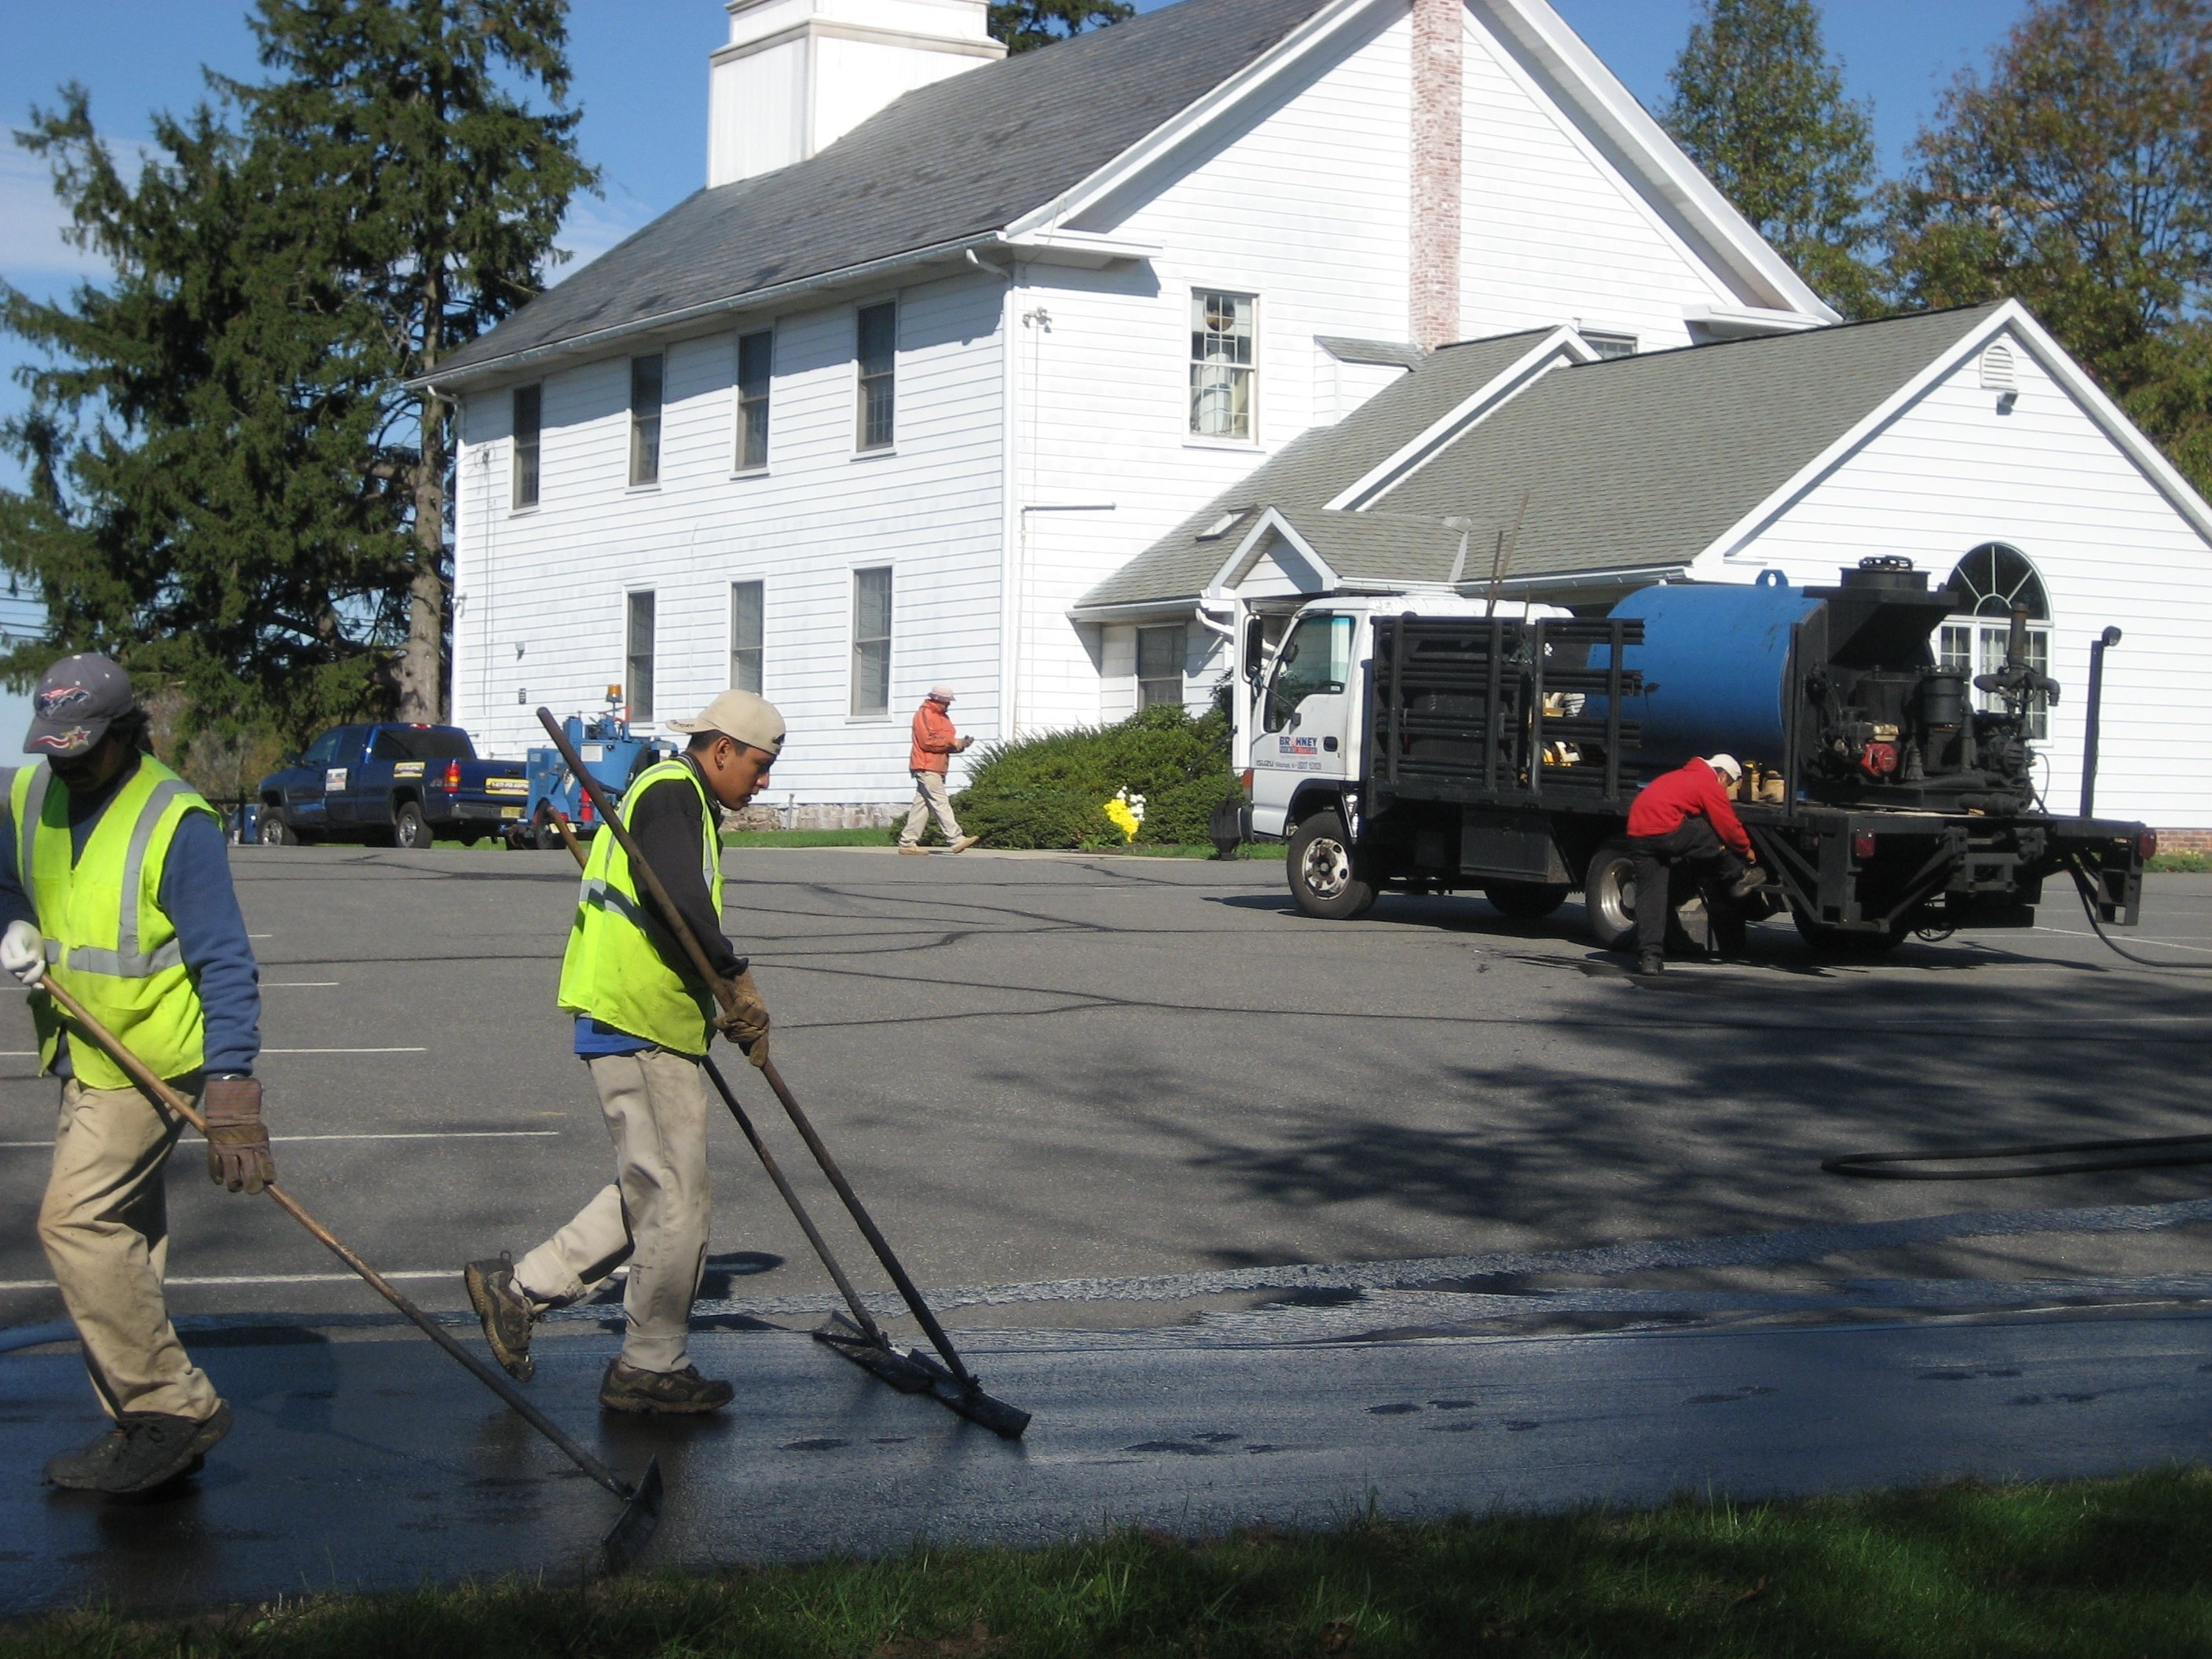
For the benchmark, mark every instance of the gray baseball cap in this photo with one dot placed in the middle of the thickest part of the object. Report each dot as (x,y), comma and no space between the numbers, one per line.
(77,699)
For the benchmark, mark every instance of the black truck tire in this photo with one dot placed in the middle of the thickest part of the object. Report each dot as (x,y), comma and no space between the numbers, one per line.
(1609,897)
(1327,878)
(1846,942)
(275,832)
(1525,900)
(411,831)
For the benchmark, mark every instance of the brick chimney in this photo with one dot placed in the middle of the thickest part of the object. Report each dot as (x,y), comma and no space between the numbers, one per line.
(798,75)
(1438,34)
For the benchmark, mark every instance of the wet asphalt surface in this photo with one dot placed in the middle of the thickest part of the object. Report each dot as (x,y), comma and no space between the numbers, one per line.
(1157,1138)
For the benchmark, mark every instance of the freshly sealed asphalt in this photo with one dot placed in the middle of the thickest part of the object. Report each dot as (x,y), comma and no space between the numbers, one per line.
(1242,1205)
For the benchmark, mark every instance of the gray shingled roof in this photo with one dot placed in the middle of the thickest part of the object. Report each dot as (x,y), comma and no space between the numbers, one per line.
(1314,467)
(1634,463)
(952,162)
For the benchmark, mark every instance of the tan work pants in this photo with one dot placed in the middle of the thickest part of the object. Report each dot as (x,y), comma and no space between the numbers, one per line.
(105,1226)
(929,797)
(655,1215)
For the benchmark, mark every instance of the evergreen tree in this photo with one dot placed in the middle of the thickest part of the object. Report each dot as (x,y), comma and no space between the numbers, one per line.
(399,137)
(209,501)
(1024,24)
(1759,105)
(2078,178)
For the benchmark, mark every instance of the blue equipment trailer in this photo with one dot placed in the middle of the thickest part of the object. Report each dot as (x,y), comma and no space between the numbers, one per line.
(614,757)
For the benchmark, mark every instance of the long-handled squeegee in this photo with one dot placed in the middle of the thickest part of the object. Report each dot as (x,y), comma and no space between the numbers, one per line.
(641,1503)
(862,1341)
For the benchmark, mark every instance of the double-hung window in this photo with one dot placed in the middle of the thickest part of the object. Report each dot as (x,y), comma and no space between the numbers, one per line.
(755,368)
(747,604)
(871,641)
(637,657)
(876,329)
(529,414)
(1222,388)
(645,376)
(1160,653)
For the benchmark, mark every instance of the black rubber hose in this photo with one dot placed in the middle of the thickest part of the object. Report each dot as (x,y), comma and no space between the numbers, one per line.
(2084,888)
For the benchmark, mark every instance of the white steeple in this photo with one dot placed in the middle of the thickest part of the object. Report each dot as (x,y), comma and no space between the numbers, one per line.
(798,75)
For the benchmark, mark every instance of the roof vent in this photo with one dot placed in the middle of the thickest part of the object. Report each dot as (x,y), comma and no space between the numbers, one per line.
(2000,373)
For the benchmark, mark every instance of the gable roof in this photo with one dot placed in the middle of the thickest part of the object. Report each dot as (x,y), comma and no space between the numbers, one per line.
(1627,464)
(1013,151)
(949,163)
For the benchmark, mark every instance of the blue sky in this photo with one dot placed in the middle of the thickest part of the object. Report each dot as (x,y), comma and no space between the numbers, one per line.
(641,78)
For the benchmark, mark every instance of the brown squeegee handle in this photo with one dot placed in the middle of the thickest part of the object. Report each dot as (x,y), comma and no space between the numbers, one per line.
(727,995)
(156,1090)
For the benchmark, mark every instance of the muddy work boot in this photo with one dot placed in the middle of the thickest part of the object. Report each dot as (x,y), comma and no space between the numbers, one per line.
(82,1471)
(506,1312)
(158,1448)
(1748,882)
(626,1388)
(1649,962)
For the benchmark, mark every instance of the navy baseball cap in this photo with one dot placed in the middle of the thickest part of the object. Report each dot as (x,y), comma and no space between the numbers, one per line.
(77,699)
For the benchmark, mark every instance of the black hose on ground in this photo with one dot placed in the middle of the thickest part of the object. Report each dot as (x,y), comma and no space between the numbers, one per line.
(2086,889)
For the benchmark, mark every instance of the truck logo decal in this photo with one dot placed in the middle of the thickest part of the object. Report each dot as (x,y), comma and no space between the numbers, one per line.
(1300,748)
(408,769)
(334,778)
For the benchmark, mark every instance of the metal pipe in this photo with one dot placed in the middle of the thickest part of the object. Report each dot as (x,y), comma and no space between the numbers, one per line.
(2103,642)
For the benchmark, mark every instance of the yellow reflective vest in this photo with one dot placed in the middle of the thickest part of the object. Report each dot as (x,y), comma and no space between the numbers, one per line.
(109,944)
(611,969)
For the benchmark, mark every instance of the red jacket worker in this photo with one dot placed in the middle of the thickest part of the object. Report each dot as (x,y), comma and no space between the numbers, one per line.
(934,743)
(1683,818)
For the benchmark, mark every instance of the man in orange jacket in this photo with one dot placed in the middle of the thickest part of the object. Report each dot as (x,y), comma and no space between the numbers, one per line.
(1683,818)
(934,743)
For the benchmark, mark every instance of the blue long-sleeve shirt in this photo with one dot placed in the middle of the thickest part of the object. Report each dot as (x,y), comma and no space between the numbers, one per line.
(198,897)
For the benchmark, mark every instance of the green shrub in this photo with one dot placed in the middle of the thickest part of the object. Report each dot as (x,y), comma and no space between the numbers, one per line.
(1051,792)
(2187,864)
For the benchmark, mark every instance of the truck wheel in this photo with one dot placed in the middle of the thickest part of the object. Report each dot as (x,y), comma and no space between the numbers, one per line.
(1841,943)
(1525,900)
(275,832)
(411,831)
(1609,897)
(1326,876)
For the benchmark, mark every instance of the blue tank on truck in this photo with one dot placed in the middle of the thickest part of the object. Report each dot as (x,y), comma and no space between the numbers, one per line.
(1715,659)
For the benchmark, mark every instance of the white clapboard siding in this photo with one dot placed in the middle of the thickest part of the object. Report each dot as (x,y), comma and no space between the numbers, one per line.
(1552,234)
(1952,472)
(554,579)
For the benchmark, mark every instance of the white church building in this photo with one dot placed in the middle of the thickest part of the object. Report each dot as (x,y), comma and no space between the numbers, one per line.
(1032,376)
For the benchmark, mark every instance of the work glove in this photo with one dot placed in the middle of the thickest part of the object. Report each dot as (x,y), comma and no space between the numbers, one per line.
(238,1145)
(745,1021)
(23,952)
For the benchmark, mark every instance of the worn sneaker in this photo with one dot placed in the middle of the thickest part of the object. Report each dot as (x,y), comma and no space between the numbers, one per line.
(1748,882)
(963,843)
(82,1471)
(505,1313)
(626,1388)
(158,1447)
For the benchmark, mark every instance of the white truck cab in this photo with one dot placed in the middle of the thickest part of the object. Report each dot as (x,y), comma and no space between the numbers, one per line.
(1308,711)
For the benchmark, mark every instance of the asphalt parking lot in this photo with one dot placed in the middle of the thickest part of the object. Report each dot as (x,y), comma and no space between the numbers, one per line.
(1094,1071)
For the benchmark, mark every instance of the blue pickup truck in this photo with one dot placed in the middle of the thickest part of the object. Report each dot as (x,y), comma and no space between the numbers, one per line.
(392,785)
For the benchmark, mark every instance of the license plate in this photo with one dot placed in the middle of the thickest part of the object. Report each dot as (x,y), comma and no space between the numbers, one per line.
(510,811)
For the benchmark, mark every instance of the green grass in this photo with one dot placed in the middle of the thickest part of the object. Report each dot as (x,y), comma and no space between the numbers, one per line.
(2185,864)
(2096,1570)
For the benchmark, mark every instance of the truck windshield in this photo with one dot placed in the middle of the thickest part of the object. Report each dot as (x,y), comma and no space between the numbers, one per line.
(422,743)
(1315,661)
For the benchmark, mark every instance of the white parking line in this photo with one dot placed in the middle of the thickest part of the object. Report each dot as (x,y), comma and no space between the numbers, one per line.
(345,1051)
(2161,943)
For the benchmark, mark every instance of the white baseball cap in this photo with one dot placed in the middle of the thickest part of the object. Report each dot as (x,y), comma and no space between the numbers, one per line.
(940,693)
(1727,766)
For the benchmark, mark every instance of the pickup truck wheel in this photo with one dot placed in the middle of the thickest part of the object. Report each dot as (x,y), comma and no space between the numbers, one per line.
(1830,941)
(1525,900)
(275,832)
(1609,897)
(1326,877)
(411,831)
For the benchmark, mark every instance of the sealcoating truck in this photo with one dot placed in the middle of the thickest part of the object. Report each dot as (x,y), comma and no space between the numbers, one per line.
(1448,745)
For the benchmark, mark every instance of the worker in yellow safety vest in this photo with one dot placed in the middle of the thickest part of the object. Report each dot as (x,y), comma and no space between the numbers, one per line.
(644,1022)
(115,886)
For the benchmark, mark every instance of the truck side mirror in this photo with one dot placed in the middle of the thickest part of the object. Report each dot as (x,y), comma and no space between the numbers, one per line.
(1255,648)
